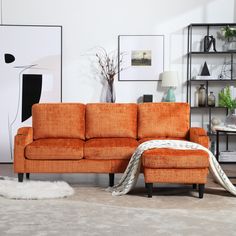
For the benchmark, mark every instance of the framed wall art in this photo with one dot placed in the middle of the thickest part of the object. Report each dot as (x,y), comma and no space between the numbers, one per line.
(142,57)
(31,72)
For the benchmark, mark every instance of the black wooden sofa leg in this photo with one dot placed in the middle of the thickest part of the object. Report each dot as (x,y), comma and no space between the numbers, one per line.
(20,177)
(201,190)
(27,175)
(149,187)
(111,179)
(194,186)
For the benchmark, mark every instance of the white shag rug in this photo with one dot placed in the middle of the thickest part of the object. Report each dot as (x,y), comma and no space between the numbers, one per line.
(35,190)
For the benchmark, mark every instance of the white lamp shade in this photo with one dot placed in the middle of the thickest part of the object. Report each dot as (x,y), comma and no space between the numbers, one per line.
(169,79)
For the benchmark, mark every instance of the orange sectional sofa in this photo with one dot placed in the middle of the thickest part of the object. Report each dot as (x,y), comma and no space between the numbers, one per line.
(101,138)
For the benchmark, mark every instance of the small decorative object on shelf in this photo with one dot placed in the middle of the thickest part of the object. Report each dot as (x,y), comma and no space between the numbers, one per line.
(202,96)
(205,70)
(215,122)
(205,74)
(108,64)
(209,41)
(230,120)
(211,100)
(226,100)
(147,98)
(227,72)
(229,33)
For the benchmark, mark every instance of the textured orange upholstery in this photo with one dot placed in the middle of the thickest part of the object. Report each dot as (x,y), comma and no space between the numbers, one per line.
(55,149)
(75,166)
(26,131)
(199,135)
(57,144)
(185,176)
(110,148)
(22,139)
(163,120)
(104,120)
(62,120)
(173,158)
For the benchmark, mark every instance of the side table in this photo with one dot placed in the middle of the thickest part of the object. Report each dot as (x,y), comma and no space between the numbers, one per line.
(225,130)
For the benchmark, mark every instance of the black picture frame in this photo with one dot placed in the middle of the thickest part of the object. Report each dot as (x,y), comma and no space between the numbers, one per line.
(134,68)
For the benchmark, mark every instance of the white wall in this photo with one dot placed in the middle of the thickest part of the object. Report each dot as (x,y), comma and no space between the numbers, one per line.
(90,23)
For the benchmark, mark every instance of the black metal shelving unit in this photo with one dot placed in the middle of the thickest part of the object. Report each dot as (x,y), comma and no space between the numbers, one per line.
(193,54)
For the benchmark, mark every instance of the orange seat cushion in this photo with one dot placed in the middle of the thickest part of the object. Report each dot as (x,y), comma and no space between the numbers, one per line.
(173,158)
(109,148)
(163,120)
(111,120)
(58,120)
(55,149)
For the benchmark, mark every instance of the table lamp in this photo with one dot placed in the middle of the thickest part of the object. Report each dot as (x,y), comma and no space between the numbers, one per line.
(170,80)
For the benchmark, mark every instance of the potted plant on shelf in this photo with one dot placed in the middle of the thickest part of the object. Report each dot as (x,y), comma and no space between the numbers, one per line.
(229,33)
(226,100)
(109,65)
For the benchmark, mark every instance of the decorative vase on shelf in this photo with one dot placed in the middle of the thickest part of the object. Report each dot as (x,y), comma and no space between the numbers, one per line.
(230,120)
(231,44)
(196,98)
(110,94)
(202,96)
(211,100)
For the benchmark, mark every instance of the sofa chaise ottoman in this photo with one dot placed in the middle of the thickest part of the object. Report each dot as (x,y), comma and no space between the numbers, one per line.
(166,165)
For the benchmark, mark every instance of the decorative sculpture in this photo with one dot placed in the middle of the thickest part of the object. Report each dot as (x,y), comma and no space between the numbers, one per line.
(209,41)
(205,70)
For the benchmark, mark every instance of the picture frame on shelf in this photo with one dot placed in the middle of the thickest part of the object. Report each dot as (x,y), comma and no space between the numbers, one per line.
(143,57)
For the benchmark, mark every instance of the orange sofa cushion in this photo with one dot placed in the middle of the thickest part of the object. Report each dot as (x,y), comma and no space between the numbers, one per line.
(173,158)
(115,120)
(55,149)
(61,120)
(109,148)
(104,120)
(163,120)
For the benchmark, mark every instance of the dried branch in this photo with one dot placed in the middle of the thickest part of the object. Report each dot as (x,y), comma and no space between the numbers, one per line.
(109,63)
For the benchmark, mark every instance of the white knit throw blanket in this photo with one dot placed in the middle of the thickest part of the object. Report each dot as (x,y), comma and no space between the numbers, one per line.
(130,176)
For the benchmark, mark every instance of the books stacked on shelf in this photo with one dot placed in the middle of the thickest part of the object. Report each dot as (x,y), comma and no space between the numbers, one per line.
(227,156)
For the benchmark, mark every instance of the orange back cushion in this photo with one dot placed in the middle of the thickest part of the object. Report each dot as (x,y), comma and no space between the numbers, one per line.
(163,120)
(111,120)
(58,120)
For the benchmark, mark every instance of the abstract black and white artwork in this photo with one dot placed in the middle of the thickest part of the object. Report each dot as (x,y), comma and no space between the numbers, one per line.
(30,72)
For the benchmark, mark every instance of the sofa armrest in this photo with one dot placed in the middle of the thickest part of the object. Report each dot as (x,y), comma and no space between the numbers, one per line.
(23,137)
(199,135)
